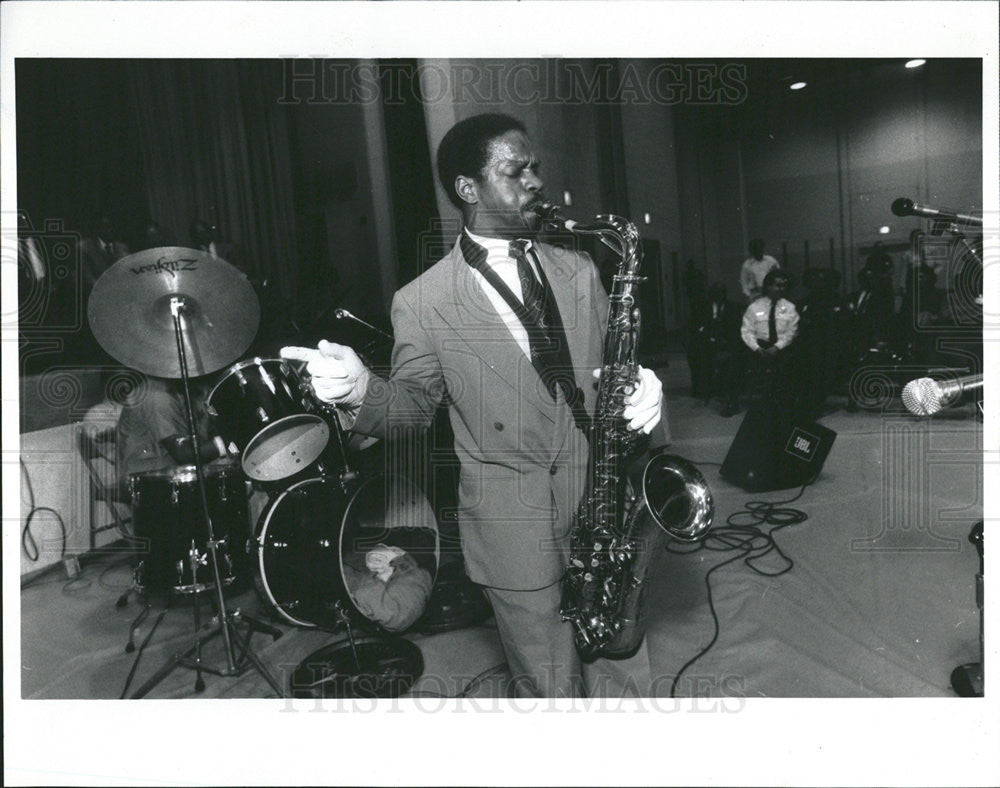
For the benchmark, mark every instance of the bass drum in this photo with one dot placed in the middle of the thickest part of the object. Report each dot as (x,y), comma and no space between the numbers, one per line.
(314,546)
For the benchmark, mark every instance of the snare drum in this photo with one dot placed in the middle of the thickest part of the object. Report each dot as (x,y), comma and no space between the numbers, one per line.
(262,411)
(168,518)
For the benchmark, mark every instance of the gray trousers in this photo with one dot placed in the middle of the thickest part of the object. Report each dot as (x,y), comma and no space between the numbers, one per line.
(543,659)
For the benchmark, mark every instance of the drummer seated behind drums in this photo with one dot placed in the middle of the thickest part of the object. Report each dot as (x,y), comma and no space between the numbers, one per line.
(153,432)
(523,458)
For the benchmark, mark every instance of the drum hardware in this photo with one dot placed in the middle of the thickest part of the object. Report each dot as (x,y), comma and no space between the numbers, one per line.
(309,539)
(259,408)
(167,521)
(130,311)
(212,313)
(968,680)
(371,666)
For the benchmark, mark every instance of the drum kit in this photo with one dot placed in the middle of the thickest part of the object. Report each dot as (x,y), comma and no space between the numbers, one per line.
(178,313)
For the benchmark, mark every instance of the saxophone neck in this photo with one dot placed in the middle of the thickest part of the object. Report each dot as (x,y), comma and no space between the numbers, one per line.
(616,232)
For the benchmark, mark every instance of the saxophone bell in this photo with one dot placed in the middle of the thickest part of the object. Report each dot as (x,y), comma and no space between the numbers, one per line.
(678,497)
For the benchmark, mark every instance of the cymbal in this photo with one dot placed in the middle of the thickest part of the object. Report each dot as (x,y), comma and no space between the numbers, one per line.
(130,311)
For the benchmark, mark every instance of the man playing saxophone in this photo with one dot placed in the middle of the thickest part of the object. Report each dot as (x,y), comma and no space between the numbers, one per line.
(511,330)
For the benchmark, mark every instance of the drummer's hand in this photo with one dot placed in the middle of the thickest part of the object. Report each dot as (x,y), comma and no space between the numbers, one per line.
(338,375)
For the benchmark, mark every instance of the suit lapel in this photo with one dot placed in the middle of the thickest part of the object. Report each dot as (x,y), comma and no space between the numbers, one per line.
(479,328)
(573,305)
(572,300)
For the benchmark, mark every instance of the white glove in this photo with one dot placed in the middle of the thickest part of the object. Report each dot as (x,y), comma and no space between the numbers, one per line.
(338,375)
(644,406)
(379,561)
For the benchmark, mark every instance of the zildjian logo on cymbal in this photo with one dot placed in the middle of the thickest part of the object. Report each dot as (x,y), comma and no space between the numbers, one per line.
(167,266)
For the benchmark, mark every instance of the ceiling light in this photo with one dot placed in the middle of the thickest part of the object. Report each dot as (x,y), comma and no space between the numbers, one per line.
(797,86)
(916,63)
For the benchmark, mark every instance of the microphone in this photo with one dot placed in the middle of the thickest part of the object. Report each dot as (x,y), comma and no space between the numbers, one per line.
(926,396)
(903,206)
(343,314)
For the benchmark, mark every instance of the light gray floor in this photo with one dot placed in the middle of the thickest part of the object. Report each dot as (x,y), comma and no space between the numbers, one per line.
(880,601)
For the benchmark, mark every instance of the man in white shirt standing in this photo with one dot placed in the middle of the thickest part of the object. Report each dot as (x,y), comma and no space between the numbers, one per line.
(510,329)
(754,269)
(770,325)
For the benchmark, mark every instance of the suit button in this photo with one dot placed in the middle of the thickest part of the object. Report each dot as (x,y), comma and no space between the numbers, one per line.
(498,426)
(554,470)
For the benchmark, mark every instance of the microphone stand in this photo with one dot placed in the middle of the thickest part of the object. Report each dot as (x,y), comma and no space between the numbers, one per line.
(191,658)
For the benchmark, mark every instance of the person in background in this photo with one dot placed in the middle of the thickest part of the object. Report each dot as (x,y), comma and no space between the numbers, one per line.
(713,349)
(820,344)
(204,237)
(754,269)
(152,235)
(153,432)
(770,325)
(100,249)
(694,290)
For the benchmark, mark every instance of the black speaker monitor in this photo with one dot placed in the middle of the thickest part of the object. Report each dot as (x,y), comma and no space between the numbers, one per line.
(776,450)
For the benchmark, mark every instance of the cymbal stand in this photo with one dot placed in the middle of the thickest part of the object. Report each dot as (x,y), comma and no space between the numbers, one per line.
(226,620)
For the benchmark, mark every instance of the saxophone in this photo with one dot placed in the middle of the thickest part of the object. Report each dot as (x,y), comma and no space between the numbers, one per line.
(623,520)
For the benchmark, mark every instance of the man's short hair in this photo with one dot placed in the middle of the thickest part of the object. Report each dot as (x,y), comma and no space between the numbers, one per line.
(773,276)
(465,148)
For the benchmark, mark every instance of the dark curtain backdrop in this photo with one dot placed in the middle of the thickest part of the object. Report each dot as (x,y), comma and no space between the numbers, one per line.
(214,144)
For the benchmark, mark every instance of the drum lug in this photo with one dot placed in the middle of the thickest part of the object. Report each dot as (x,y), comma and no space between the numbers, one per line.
(241,379)
(263,415)
(174,495)
(266,377)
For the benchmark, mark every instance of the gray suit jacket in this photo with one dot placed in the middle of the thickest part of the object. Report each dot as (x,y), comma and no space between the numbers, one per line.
(523,460)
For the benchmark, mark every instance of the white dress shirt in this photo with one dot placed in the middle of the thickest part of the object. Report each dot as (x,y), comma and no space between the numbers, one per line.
(498,258)
(755,323)
(752,274)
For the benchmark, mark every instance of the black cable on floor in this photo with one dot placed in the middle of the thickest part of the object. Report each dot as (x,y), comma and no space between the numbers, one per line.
(743,532)
(28,543)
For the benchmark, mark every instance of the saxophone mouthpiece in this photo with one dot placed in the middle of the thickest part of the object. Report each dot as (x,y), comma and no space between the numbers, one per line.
(552,214)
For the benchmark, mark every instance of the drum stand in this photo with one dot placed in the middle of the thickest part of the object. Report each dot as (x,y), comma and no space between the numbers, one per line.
(227,622)
(370,666)
(968,680)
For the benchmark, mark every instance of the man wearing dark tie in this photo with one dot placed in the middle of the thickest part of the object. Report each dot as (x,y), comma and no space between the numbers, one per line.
(770,325)
(511,334)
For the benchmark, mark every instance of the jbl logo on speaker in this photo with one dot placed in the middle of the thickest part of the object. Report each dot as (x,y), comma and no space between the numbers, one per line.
(801,444)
